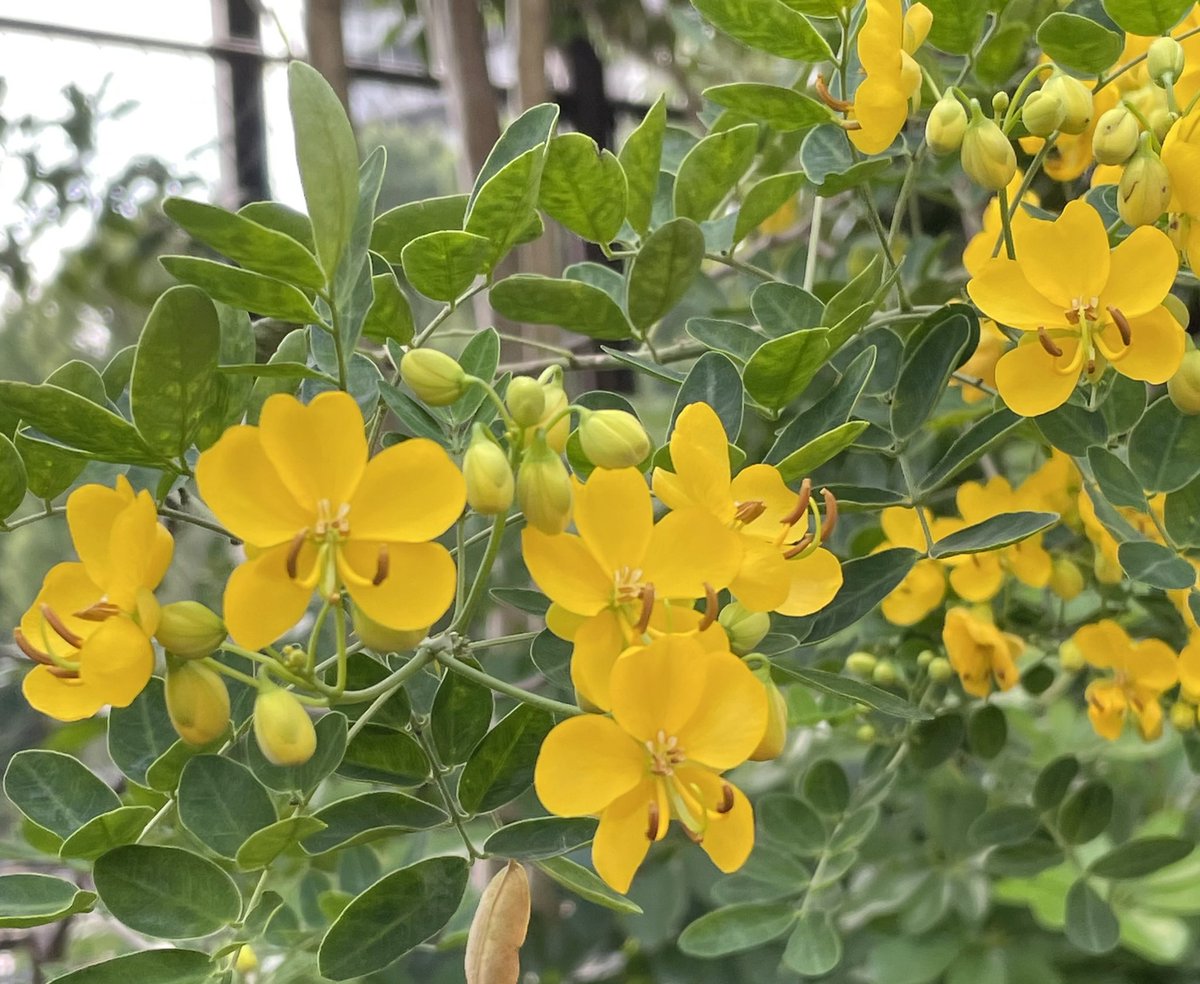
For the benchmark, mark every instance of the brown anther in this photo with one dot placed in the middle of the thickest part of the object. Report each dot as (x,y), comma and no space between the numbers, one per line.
(798,548)
(1122,324)
(99,612)
(726,803)
(652,826)
(710,607)
(293,557)
(831,514)
(801,507)
(1048,344)
(1091,366)
(748,512)
(643,621)
(57,624)
(26,647)
(693,836)
(829,99)
(382,564)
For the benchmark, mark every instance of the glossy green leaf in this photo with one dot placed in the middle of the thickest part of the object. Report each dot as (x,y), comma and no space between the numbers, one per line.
(390,314)
(640,157)
(711,169)
(13,478)
(50,468)
(586,884)
(993,533)
(806,459)
(828,164)
(504,213)
(415,419)
(957,24)
(814,948)
(140,733)
(166,892)
(157,966)
(1140,857)
(28,900)
(862,290)
(970,446)
(1091,924)
(501,766)
(108,830)
(293,349)
(853,690)
(782,309)
(780,108)
(927,367)
(221,803)
(529,131)
(242,289)
(828,414)
(264,846)
(1073,429)
(644,365)
(1147,17)
(442,265)
(461,716)
(1078,43)
(395,229)
(583,188)
(370,816)
(397,913)
(738,340)
(540,838)
(381,754)
(764,199)
(1086,813)
(1156,565)
(570,304)
(1009,824)
(1164,448)
(736,928)
(56,791)
(714,380)
(783,367)
(768,25)
(663,270)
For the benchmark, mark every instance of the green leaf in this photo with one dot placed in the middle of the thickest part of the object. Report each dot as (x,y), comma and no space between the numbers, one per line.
(254,246)
(663,270)
(570,304)
(292,349)
(970,447)
(529,131)
(987,731)
(644,365)
(56,791)
(1164,448)
(783,367)
(140,733)
(415,419)
(584,883)
(827,787)
(353,287)
(166,892)
(442,265)
(115,375)
(806,459)
(736,928)
(1140,857)
(28,900)
(331,746)
(640,157)
(1147,17)
(108,830)
(540,838)
(1181,515)
(1054,781)
(264,846)
(767,25)
(221,803)
(370,816)
(866,582)
(583,188)
(501,766)
(711,169)
(159,966)
(397,913)
(1073,429)
(957,24)
(948,337)
(502,210)
(827,162)
(782,309)
(1008,824)
(242,289)
(993,533)
(792,823)
(829,413)
(278,370)
(381,754)
(1086,813)
(738,340)
(1156,565)
(814,948)
(853,690)
(480,358)
(398,227)
(13,479)
(714,380)
(327,155)
(461,715)
(1078,43)
(1025,860)
(174,384)
(763,200)
(782,109)
(1090,924)
(936,740)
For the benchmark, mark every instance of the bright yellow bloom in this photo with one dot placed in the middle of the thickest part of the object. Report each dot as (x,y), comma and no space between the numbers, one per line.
(923,587)
(784,567)
(1054,487)
(886,43)
(89,627)
(1101,306)
(1106,565)
(610,579)
(983,244)
(1142,673)
(980,652)
(1181,155)
(681,717)
(1189,668)
(316,515)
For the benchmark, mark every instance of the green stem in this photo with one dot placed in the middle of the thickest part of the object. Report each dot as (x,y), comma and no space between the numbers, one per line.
(445,312)
(814,241)
(747,268)
(412,666)
(168,513)
(337,343)
(910,485)
(339,622)
(1006,224)
(881,233)
(452,806)
(397,678)
(272,665)
(465,610)
(502,641)
(1031,172)
(501,687)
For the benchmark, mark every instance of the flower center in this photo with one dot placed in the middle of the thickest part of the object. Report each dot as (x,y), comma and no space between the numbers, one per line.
(675,797)
(665,754)
(1089,327)
(63,667)
(331,523)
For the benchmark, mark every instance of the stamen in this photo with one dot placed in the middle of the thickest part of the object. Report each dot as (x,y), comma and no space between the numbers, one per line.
(801,507)
(804,543)
(26,647)
(693,835)
(643,621)
(293,557)
(748,512)
(57,624)
(829,99)
(726,803)
(1047,344)
(831,514)
(710,607)
(381,566)
(1122,324)
(652,827)
(99,612)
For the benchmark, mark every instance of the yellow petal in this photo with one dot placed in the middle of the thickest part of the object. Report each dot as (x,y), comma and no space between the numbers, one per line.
(116,661)
(64,700)
(1148,713)
(614,516)
(1105,644)
(66,589)
(978,577)
(133,547)
(687,550)
(1029,562)
(1156,345)
(585,763)
(621,843)
(565,570)
(563,623)
(1154,666)
(1002,291)
(881,107)
(729,837)
(91,512)
(409,492)
(658,688)
(1078,233)
(902,527)
(763,483)
(1028,378)
(1106,708)
(763,580)
(417,590)
(599,641)
(261,601)
(969,659)
(813,582)
(700,458)
(1189,669)
(881,36)
(1143,272)
(319,450)
(728,722)
(921,591)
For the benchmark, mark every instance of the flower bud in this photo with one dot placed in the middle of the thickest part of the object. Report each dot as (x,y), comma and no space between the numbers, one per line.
(946,125)
(556,403)
(1066,579)
(613,439)
(544,488)
(382,639)
(884,673)
(1183,716)
(433,376)
(488,475)
(775,737)
(526,400)
(282,727)
(987,156)
(1164,61)
(246,961)
(1161,120)
(940,670)
(861,664)
(865,733)
(746,629)
(1184,387)
(925,657)
(1070,657)
(1076,99)
(197,702)
(1116,136)
(1145,189)
(188,629)
(1043,113)
(1000,102)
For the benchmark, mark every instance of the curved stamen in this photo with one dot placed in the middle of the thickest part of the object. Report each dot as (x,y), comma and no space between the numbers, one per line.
(643,621)
(652,827)
(57,624)
(726,803)
(293,557)
(710,607)
(382,566)
(829,99)
(99,612)
(61,668)
(804,543)
(1047,344)
(1122,324)
(831,513)
(801,507)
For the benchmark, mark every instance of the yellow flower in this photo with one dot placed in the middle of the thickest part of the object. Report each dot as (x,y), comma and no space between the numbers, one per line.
(1189,668)
(784,567)
(1142,673)
(1106,565)
(607,582)
(1101,306)
(681,717)
(315,514)
(923,587)
(983,244)
(89,627)
(1054,487)
(1181,155)
(980,652)
(886,43)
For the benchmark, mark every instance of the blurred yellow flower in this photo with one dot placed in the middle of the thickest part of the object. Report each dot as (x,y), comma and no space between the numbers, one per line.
(1141,673)
(982,364)
(980,653)
(923,587)
(887,41)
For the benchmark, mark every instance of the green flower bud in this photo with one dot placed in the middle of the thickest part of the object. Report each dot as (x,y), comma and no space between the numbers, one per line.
(1164,61)
(526,400)
(433,376)
(246,961)
(197,702)
(1070,657)
(1144,191)
(865,733)
(282,727)
(946,125)
(746,629)
(544,488)
(1066,579)
(488,475)
(1183,716)
(1116,136)
(1000,103)
(381,638)
(1043,113)
(940,670)
(1076,99)
(884,673)
(775,737)
(189,630)
(1184,387)
(987,156)
(613,439)
(861,664)
(1161,120)
(925,657)
(556,403)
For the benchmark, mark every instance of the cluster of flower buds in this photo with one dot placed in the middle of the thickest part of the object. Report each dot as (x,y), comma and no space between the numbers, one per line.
(987,154)
(197,698)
